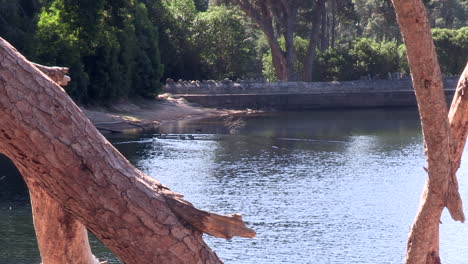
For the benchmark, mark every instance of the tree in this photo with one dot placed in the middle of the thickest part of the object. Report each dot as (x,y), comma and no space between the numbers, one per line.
(111,47)
(283,14)
(55,147)
(17,23)
(314,33)
(226,49)
(444,133)
(452,49)
(173,20)
(376,19)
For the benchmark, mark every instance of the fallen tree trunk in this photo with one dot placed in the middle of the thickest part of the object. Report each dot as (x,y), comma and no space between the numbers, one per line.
(443,138)
(60,237)
(55,146)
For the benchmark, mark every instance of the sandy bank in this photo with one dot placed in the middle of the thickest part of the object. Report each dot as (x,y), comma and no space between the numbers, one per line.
(140,114)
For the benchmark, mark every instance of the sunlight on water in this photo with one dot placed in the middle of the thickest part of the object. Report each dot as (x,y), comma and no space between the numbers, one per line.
(318,187)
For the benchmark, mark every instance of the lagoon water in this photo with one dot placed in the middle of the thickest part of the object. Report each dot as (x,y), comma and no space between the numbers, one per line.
(318,187)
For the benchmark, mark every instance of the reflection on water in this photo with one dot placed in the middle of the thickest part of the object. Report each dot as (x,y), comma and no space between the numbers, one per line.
(318,187)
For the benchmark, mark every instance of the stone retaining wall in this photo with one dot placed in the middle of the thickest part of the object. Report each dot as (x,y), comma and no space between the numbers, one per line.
(230,87)
(301,95)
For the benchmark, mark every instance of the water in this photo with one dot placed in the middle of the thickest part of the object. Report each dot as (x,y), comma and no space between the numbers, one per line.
(318,187)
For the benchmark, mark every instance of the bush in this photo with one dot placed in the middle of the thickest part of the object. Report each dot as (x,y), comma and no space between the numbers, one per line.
(364,56)
(452,49)
(226,49)
(374,58)
(111,54)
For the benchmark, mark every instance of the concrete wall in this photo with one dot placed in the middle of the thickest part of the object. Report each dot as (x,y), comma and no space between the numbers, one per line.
(301,95)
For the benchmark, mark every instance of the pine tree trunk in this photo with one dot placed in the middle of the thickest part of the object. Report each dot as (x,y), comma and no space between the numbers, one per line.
(289,43)
(442,137)
(313,40)
(279,61)
(60,237)
(333,24)
(56,147)
(324,29)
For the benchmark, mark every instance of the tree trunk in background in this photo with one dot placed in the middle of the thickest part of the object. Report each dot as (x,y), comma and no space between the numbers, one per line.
(314,35)
(261,13)
(278,58)
(333,24)
(324,29)
(289,42)
(55,147)
(441,145)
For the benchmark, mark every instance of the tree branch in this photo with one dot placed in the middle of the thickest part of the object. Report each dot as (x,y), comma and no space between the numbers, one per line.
(459,128)
(57,74)
(53,144)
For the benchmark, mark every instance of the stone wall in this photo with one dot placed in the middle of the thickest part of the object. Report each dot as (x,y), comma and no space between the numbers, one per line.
(301,95)
(244,87)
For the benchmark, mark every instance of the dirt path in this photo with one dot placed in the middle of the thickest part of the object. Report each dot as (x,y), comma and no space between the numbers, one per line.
(143,114)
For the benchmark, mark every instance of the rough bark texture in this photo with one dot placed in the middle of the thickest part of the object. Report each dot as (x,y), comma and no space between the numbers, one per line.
(458,119)
(441,188)
(60,237)
(55,146)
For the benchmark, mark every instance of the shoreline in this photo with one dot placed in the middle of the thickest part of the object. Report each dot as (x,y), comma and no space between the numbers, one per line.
(138,115)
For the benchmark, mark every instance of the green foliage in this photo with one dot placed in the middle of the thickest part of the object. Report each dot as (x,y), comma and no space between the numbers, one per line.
(375,58)
(226,49)
(300,46)
(404,67)
(447,13)
(178,55)
(364,56)
(17,23)
(183,11)
(452,49)
(111,47)
(148,63)
(117,48)
(376,19)
(334,64)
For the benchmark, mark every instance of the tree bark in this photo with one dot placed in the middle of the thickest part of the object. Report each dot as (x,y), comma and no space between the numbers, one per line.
(313,40)
(324,29)
(290,13)
(441,189)
(60,237)
(55,146)
(261,13)
(278,58)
